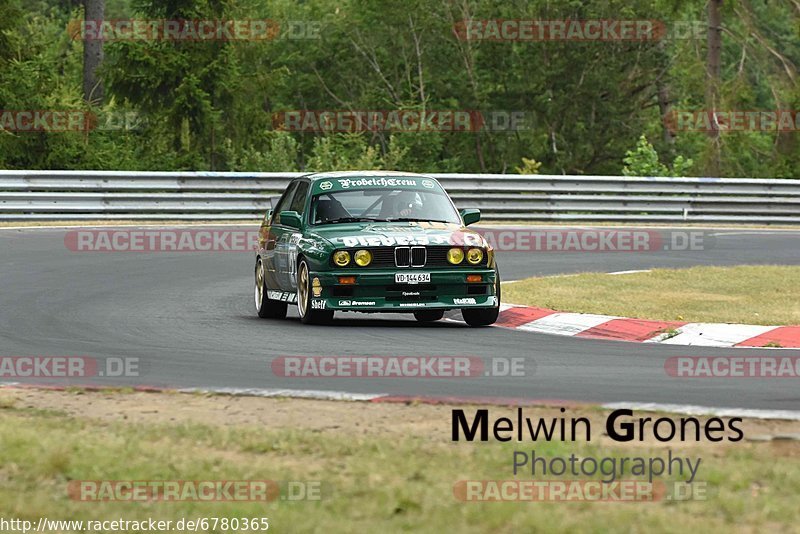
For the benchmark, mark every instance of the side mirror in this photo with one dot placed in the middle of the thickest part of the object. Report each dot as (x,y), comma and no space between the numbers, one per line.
(291,218)
(470,216)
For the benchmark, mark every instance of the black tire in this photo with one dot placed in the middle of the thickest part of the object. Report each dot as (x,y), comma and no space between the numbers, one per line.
(266,308)
(428,316)
(484,316)
(307,315)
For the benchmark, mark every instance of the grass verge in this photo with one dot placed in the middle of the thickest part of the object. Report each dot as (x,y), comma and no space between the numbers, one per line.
(762,294)
(387,467)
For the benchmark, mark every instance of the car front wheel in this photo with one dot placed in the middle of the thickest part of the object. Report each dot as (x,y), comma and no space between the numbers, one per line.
(307,314)
(266,308)
(428,316)
(484,316)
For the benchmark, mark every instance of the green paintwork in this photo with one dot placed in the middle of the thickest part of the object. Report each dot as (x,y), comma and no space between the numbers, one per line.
(317,243)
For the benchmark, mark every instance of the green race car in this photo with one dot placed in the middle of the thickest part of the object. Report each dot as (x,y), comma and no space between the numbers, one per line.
(373,242)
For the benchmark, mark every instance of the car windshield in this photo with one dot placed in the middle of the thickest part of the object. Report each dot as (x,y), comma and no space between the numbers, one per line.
(386,205)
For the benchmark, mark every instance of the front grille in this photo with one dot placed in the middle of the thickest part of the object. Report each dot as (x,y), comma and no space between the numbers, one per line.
(402,256)
(399,288)
(421,298)
(410,256)
(417,256)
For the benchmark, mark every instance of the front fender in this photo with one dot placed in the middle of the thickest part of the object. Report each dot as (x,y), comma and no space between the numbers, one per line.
(316,251)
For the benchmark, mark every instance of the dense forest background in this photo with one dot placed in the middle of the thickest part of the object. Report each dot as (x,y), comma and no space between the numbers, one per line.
(590,107)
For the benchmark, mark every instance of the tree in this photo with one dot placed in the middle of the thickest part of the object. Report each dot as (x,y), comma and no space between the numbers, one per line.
(93,53)
(713,74)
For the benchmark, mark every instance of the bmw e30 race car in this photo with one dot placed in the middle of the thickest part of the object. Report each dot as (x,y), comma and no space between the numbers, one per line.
(373,242)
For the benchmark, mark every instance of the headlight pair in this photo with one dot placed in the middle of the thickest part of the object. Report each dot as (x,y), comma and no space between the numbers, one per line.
(361,258)
(456,256)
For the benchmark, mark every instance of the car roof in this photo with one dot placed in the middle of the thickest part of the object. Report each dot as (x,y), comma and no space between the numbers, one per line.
(365,174)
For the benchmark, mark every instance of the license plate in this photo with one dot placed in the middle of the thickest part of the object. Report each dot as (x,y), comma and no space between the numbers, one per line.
(412,278)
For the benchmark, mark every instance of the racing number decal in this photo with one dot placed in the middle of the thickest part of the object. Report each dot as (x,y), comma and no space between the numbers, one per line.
(293,240)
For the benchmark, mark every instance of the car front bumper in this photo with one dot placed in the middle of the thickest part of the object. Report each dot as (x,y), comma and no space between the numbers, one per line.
(376,290)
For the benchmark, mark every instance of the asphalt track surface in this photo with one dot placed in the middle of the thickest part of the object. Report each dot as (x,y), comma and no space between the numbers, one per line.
(189,318)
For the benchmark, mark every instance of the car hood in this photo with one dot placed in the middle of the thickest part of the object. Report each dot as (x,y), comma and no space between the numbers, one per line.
(350,235)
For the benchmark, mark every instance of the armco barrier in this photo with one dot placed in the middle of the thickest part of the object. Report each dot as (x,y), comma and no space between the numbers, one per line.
(94,195)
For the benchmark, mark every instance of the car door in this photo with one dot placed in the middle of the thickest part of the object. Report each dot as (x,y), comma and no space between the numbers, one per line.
(286,248)
(271,236)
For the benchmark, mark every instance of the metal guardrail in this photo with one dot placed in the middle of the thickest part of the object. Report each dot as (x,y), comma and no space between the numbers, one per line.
(94,195)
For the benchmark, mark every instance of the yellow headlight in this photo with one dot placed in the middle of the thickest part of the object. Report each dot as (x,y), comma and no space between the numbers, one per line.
(363,257)
(474,256)
(341,258)
(455,256)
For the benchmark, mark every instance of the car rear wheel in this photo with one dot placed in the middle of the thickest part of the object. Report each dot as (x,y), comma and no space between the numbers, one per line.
(266,308)
(308,315)
(428,316)
(484,316)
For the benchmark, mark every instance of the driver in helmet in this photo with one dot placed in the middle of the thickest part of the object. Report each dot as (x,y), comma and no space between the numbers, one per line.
(407,203)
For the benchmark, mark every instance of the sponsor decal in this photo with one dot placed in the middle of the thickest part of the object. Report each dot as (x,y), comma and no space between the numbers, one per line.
(283,296)
(458,239)
(427,183)
(412,304)
(410,293)
(316,287)
(346,183)
(325,186)
(319,304)
(357,303)
(466,300)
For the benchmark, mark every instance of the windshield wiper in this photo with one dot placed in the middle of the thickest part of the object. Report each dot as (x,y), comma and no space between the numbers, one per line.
(412,219)
(348,219)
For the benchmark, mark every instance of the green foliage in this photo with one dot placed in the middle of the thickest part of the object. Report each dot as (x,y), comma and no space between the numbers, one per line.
(529,166)
(209,105)
(643,161)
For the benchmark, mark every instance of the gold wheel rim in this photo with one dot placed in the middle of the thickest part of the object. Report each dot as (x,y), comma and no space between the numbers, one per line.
(302,290)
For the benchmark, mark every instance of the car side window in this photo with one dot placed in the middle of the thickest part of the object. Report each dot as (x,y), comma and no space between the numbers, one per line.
(283,202)
(299,200)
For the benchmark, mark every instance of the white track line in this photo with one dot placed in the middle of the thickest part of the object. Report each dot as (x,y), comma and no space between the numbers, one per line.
(566,324)
(294,393)
(715,334)
(688,409)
